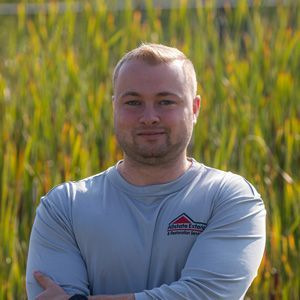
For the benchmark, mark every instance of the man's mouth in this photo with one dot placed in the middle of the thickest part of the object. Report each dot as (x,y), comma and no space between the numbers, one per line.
(150,132)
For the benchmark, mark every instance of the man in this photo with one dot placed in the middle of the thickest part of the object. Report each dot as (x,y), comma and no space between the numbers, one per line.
(157,225)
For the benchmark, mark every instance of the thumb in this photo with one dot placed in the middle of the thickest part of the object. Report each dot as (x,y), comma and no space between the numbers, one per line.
(43,280)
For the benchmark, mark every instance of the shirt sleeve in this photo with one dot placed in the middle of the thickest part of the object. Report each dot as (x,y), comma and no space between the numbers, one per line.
(225,258)
(53,249)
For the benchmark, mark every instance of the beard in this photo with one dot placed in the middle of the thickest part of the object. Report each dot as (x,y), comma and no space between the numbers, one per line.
(152,153)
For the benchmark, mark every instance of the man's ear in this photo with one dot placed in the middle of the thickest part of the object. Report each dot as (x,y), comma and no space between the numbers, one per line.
(196,107)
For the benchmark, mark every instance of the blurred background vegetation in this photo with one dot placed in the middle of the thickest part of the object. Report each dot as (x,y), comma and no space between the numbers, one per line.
(56,63)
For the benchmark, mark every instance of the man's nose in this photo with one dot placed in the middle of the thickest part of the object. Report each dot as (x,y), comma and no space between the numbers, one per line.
(149,116)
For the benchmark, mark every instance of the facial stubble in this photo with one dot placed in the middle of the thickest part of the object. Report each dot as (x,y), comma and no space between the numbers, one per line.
(153,155)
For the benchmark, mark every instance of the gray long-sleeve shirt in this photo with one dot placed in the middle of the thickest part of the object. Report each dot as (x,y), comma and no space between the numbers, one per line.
(200,236)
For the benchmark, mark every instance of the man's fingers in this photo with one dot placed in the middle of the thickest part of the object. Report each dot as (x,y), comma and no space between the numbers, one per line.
(44,281)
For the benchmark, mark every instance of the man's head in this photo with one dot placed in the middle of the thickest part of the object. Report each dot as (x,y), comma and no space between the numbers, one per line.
(154,54)
(155,104)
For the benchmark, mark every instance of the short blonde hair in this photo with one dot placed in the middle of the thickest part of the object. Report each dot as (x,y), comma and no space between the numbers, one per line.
(155,54)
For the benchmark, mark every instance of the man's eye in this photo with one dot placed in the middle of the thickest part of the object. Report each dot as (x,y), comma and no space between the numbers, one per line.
(166,102)
(133,102)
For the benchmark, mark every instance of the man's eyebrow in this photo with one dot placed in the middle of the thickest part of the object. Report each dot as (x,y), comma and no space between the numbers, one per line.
(164,94)
(130,93)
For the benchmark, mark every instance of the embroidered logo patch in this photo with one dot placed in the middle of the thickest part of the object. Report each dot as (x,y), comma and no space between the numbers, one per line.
(183,224)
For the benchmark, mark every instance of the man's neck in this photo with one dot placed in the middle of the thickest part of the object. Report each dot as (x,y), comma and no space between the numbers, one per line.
(142,174)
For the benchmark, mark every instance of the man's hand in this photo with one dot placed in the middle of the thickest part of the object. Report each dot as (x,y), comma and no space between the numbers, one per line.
(52,291)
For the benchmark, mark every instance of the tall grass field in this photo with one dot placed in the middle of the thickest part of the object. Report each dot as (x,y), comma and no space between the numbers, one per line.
(56,114)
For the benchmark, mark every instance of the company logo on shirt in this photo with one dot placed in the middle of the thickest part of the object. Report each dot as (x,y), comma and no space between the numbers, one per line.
(183,224)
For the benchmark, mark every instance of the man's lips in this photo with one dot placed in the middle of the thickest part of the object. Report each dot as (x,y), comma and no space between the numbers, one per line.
(150,132)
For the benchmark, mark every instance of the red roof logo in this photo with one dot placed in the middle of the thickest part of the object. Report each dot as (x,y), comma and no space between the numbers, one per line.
(183,224)
(182,219)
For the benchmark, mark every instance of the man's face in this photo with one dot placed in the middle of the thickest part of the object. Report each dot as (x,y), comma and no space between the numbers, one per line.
(154,112)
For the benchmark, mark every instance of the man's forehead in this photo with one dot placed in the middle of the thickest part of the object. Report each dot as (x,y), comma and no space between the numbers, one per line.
(143,73)
(144,78)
